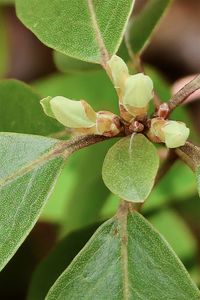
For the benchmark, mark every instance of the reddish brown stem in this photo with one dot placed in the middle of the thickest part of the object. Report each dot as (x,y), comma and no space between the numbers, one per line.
(184,93)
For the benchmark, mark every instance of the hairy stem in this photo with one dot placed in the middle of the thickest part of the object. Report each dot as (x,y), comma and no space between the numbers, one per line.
(184,93)
(84,141)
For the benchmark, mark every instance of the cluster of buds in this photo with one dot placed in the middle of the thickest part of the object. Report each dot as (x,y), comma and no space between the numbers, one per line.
(134,91)
(80,117)
(173,133)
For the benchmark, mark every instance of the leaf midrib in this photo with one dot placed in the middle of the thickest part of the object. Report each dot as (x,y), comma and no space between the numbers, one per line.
(59,150)
(122,220)
(99,39)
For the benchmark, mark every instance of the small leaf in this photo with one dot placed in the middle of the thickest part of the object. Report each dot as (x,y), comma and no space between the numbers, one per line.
(125,259)
(85,30)
(21,110)
(130,167)
(191,155)
(30,166)
(143,25)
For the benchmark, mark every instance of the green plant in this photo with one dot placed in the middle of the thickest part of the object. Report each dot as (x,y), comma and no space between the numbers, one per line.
(126,258)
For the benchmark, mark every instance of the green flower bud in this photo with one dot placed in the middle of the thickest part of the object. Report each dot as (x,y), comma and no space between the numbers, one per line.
(108,124)
(47,107)
(138,91)
(175,134)
(70,113)
(119,71)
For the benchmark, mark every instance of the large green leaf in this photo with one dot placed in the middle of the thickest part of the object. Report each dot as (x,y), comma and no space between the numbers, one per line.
(130,167)
(191,155)
(29,168)
(143,25)
(80,29)
(125,259)
(21,110)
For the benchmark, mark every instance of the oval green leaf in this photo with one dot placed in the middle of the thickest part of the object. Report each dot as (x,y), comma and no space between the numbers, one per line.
(85,30)
(30,166)
(125,259)
(130,168)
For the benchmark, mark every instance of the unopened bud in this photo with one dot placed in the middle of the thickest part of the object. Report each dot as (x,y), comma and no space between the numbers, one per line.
(80,117)
(70,113)
(173,133)
(47,107)
(119,71)
(176,134)
(108,124)
(138,91)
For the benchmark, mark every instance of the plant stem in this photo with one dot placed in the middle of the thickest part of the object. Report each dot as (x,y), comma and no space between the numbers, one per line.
(189,153)
(84,141)
(184,93)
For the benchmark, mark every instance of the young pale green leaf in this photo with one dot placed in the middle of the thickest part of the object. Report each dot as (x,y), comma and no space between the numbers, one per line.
(87,30)
(130,167)
(191,155)
(125,259)
(21,110)
(30,166)
(144,24)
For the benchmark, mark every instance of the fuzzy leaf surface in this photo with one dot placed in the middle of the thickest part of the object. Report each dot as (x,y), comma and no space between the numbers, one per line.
(130,168)
(80,29)
(125,259)
(30,166)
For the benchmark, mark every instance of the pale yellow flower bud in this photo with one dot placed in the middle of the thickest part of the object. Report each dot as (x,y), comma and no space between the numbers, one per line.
(119,71)
(175,134)
(70,113)
(138,91)
(47,107)
(107,124)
